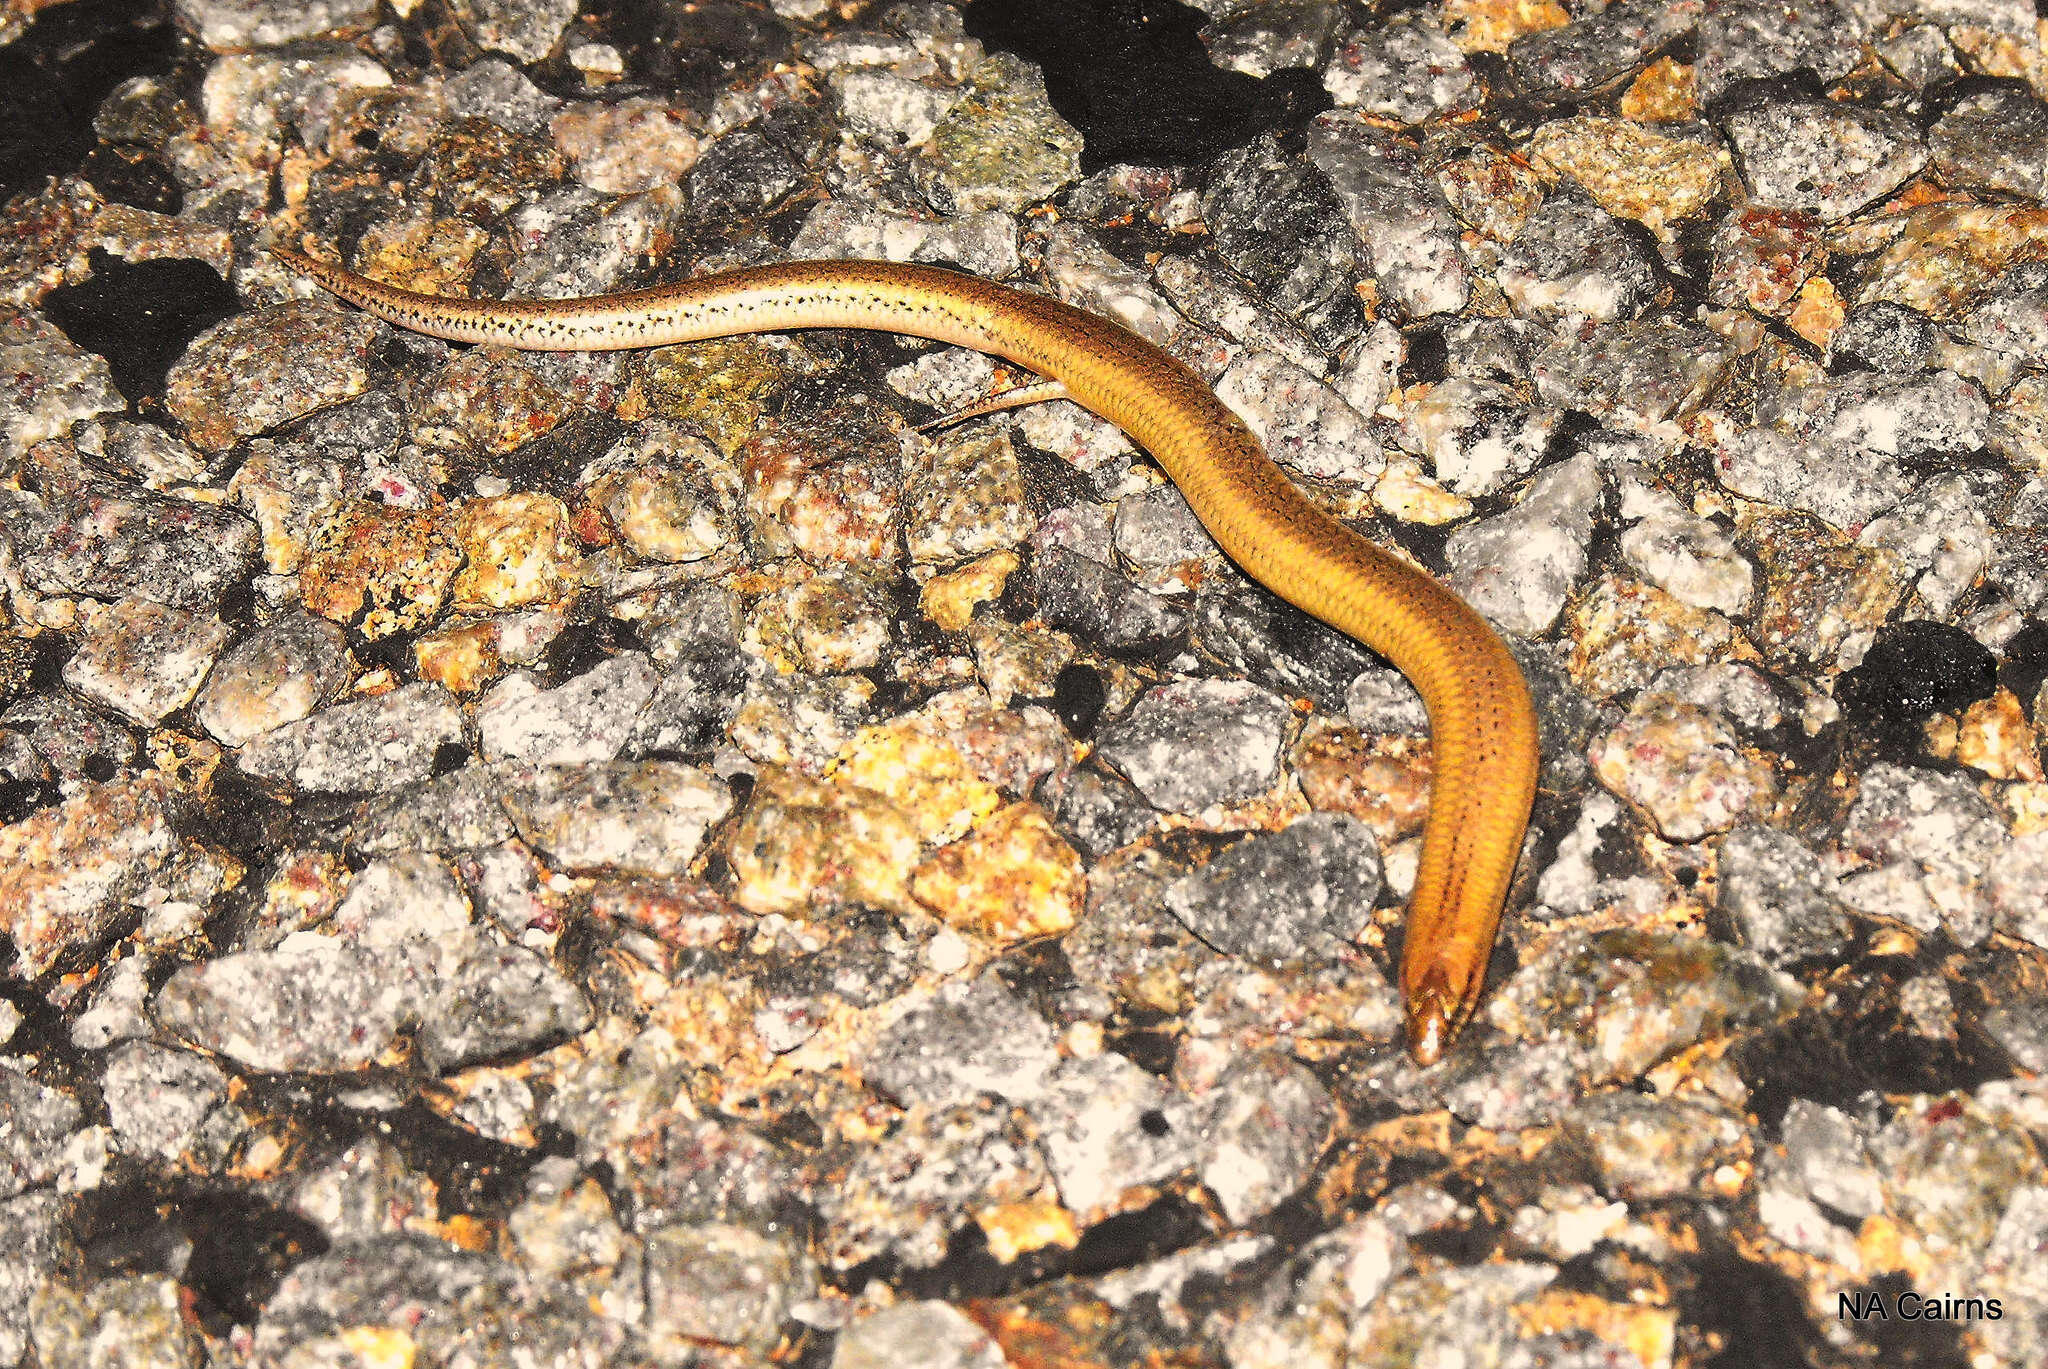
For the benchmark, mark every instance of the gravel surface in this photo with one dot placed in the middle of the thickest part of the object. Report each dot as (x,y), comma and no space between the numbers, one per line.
(669,859)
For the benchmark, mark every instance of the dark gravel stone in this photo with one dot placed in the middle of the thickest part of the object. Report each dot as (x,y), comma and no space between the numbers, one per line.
(1882,336)
(1275,218)
(1257,634)
(1099,811)
(1100,605)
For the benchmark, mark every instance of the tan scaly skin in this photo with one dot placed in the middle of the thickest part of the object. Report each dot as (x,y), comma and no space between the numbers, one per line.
(1481,722)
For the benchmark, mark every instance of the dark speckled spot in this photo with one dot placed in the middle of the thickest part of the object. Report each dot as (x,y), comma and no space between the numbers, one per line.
(1915,670)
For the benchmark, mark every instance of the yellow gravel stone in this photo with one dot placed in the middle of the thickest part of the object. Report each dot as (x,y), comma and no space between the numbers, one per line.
(1019,1228)
(517,550)
(1818,312)
(459,659)
(925,775)
(1404,492)
(1490,25)
(1633,171)
(1995,737)
(1665,93)
(805,841)
(1014,879)
(950,599)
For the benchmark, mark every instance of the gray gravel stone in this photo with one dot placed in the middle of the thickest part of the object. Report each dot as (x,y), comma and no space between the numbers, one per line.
(144,660)
(1633,374)
(1772,888)
(1099,604)
(157,1098)
(1830,158)
(1282,896)
(1933,841)
(57,383)
(1948,1166)
(375,743)
(460,810)
(634,817)
(1396,210)
(1100,810)
(1621,1001)
(1518,568)
(1646,1149)
(1192,744)
(971,1038)
(1210,295)
(1883,336)
(1268,1123)
(1574,258)
(1742,40)
(1827,1154)
(723,1284)
(916,1335)
(1995,140)
(579,721)
(1254,633)
(1107,1126)
(40,1119)
(276,675)
(1479,435)
(109,541)
(1599,49)
(1302,423)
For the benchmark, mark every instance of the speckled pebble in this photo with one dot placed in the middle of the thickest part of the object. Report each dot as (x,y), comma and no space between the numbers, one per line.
(1301,421)
(381,570)
(1684,766)
(52,383)
(1832,159)
(1002,147)
(1237,728)
(646,817)
(1574,258)
(106,541)
(158,1098)
(1013,878)
(144,660)
(1621,1001)
(621,148)
(585,719)
(72,873)
(1927,841)
(1404,229)
(970,1038)
(373,743)
(966,497)
(257,371)
(143,1314)
(278,674)
(1650,1148)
